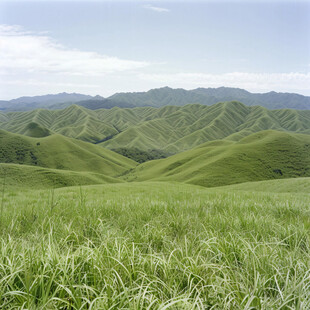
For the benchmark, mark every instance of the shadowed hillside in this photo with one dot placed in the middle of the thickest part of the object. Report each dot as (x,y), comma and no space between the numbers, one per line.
(261,156)
(59,152)
(171,129)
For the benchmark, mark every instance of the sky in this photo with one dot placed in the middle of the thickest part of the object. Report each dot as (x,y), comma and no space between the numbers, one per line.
(104,47)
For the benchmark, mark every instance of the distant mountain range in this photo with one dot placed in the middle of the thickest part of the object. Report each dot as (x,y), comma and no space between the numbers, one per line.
(208,96)
(161,97)
(45,101)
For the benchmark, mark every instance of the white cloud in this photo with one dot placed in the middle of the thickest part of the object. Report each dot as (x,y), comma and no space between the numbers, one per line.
(156,8)
(37,83)
(260,82)
(32,63)
(24,52)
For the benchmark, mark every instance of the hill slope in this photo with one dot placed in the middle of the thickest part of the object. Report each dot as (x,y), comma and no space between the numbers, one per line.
(26,176)
(296,185)
(261,156)
(175,129)
(59,152)
(171,128)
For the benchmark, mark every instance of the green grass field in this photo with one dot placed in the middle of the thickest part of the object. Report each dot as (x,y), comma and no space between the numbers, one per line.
(155,246)
(222,225)
(296,185)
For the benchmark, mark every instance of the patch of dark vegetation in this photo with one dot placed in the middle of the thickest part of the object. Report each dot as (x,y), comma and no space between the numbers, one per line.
(105,139)
(278,171)
(18,154)
(16,150)
(95,104)
(141,156)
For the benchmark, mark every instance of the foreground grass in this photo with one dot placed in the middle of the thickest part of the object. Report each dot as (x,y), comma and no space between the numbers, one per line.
(154,246)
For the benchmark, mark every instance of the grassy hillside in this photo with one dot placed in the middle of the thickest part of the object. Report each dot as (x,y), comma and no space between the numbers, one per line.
(25,176)
(60,152)
(74,122)
(154,246)
(297,185)
(35,130)
(261,156)
(171,129)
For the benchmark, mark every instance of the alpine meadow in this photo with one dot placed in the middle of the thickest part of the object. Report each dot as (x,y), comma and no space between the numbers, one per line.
(154,155)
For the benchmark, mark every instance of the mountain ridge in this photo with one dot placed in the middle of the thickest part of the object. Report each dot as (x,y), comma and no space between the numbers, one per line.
(171,128)
(159,97)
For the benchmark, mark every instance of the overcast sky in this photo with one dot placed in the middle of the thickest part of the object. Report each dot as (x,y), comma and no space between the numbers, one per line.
(103,47)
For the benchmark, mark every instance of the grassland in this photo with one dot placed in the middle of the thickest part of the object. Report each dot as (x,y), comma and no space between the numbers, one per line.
(171,129)
(265,155)
(59,152)
(296,185)
(154,246)
(26,176)
(261,156)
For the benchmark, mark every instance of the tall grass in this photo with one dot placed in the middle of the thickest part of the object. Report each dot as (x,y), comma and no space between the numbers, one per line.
(2,193)
(154,246)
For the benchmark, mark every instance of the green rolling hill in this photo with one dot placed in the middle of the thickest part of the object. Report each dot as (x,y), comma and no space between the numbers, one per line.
(59,152)
(57,161)
(35,130)
(261,156)
(175,129)
(296,185)
(170,129)
(32,177)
